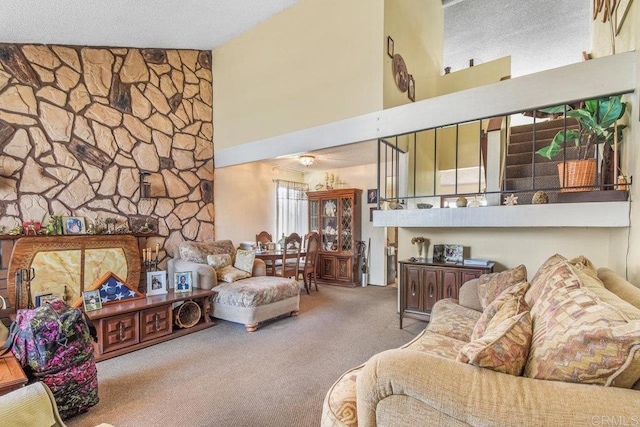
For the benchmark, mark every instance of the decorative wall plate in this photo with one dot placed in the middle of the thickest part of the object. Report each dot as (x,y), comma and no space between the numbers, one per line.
(400,73)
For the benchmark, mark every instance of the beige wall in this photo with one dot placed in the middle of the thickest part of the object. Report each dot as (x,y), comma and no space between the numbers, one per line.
(245,200)
(416,27)
(314,63)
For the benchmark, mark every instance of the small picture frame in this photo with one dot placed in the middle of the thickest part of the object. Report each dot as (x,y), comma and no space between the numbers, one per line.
(91,300)
(390,47)
(156,283)
(183,282)
(411,91)
(73,225)
(372,196)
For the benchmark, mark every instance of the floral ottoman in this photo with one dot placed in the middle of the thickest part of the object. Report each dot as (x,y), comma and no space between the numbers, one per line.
(256,299)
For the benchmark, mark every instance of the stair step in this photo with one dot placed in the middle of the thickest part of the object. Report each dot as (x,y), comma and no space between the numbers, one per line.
(542,125)
(544,134)
(525,158)
(524,184)
(525,146)
(523,171)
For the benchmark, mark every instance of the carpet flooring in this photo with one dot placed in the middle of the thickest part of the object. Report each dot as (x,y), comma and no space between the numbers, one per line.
(227,377)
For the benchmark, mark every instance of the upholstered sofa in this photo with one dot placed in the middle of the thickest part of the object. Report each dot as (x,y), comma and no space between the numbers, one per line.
(563,349)
(244,294)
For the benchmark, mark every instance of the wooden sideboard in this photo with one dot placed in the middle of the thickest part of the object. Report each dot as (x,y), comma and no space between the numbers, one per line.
(131,325)
(423,283)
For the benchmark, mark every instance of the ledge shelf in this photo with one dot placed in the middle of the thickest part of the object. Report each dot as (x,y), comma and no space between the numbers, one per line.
(595,214)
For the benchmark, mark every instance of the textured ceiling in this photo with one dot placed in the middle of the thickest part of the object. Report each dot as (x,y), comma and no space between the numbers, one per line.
(186,24)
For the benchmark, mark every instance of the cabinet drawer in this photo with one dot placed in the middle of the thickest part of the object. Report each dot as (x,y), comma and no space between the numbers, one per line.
(155,322)
(119,331)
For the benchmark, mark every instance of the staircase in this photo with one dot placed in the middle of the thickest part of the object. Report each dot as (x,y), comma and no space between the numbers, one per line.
(521,158)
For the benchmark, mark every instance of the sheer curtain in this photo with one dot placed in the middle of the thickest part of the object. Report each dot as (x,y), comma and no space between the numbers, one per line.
(291,208)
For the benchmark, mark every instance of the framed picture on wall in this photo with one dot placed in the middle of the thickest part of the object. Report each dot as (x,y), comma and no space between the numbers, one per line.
(390,47)
(73,225)
(411,91)
(372,196)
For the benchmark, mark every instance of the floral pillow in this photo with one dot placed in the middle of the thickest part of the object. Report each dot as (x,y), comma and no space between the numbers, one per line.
(230,274)
(490,286)
(244,260)
(219,261)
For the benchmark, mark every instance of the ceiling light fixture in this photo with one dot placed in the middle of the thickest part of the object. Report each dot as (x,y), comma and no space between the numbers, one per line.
(306,160)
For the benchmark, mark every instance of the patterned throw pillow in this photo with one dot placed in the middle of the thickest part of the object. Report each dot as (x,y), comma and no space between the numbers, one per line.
(509,303)
(541,278)
(580,338)
(504,346)
(244,260)
(219,261)
(198,251)
(492,285)
(230,274)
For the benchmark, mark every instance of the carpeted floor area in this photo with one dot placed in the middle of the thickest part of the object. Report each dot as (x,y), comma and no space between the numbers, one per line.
(277,376)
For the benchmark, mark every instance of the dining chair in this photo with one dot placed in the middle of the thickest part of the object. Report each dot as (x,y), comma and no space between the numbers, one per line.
(290,263)
(262,238)
(308,266)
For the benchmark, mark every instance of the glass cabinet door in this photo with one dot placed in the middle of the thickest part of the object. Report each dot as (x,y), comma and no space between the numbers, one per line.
(330,226)
(314,215)
(346,242)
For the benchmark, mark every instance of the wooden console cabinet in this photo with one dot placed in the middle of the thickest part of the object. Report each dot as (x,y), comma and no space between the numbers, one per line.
(132,325)
(422,283)
(335,215)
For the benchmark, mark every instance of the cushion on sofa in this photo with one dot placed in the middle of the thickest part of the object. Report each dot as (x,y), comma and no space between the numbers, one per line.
(244,260)
(504,347)
(509,303)
(219,261)
(578,337)
(490,286)
(230,274)
(540,279)
(198,251)
(450,319)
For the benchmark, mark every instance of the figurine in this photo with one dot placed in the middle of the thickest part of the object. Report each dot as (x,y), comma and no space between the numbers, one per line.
(511,200)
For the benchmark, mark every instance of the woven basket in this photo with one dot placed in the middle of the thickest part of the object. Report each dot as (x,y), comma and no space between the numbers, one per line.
(580,174)
(187,314)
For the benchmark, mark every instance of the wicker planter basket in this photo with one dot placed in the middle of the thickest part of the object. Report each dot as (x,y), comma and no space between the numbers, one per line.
(580,174)
(187,314)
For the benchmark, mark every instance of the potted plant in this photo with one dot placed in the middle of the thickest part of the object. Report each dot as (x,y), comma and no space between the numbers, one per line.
(597,121)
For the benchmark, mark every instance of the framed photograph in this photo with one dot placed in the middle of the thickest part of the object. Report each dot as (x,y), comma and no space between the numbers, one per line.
(73,225)
(411,90)
(453,254)
(372,196)
(156,283)
(438,253)
(390,48)
(91,300)
(183,282)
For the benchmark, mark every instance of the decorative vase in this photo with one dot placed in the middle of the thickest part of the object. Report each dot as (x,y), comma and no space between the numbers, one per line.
(420,249)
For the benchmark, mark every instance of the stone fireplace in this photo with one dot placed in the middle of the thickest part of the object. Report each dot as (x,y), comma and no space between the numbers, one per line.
(78,126)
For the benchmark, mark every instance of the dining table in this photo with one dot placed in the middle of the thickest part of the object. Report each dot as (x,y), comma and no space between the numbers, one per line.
(274,255)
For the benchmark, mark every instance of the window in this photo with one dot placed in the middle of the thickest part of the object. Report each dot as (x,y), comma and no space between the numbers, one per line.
(291,208)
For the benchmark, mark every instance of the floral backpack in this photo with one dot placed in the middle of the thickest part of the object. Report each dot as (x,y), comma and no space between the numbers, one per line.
(53,344)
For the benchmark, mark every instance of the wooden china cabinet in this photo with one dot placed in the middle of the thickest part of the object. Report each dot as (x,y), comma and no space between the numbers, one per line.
(335,215)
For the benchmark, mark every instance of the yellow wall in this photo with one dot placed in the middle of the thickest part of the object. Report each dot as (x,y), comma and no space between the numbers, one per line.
(312,64)
(416,27)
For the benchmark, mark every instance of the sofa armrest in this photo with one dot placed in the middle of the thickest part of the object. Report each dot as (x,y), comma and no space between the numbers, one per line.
(205,275)
(468,295)
(451,392)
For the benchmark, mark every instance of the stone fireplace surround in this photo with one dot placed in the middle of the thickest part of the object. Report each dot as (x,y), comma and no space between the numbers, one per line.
(78,124)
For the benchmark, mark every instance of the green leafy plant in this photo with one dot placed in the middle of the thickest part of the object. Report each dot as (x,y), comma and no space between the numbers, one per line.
(596,125)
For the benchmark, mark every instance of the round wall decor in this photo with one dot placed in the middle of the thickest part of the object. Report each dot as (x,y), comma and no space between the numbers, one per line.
(400,73)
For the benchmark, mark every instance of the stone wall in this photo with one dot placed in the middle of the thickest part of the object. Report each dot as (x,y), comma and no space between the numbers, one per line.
(79,124)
